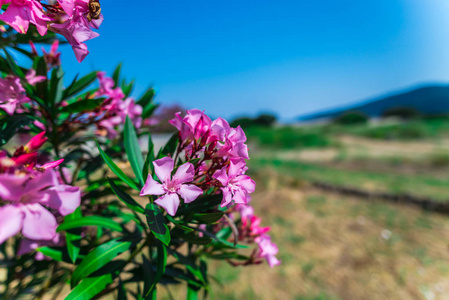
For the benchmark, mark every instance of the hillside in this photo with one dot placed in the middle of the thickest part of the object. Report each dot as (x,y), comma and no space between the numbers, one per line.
(429,100)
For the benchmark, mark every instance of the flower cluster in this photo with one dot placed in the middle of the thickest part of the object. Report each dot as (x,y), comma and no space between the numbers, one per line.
(250,230)
(26,186)
(222,152)
(74,19)
(109,114)
(115,108)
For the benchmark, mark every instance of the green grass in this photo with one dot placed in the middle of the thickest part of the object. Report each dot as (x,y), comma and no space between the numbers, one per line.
(411,130)
(320,136)
(289,137)
(421,185)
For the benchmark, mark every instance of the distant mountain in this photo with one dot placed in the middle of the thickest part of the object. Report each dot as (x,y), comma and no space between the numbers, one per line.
(428,100)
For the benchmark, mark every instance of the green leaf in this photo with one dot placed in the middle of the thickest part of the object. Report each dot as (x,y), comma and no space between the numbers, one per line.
(192,293)
(160,268)
(121,293)
(125,198)
(83,105)
(13,66)
(149,159)
(190,237)
(148,110)
(10,124)
(116,74)
(90,221)
(73,237)
(156,222)
(132,149)
(170,147)
(79,85)
(40,65)
(201,204)
(116,170)
(127,88)
(56,85)
(208,218)
(146,98)
(90,287)
(54,253)
(98,258)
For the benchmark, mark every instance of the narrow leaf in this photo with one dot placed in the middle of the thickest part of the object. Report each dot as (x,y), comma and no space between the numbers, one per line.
(125,198)
(90,221)
(73,237)
(157,224)
(132,149)
(117,171)
(79,85)
(90,287)
(82,105)
(98,258)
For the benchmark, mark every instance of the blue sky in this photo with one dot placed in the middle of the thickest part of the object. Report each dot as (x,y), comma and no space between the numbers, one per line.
(292,57)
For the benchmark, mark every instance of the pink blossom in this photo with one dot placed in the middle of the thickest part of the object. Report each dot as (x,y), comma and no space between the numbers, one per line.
(108,126)
(171,187)
(193,126)
(132,110)
(35,142)
(26,195)
(21,13)
(107,87)
(11,94)
(236,185)
(32,78)
(53,57)
(77,29)
(267,250)
(233,140)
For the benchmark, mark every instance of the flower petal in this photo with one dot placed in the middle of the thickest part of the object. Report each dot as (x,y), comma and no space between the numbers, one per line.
(227,196)
(170,202)
(184,173)
(39,223)
(152,187)
(221,176)
(163,168)
(11,186)
(64,198)
(11,220)
(189,192)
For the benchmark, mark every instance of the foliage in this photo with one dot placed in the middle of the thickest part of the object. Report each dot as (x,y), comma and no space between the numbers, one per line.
(262,120)
(112,218)
(351,118)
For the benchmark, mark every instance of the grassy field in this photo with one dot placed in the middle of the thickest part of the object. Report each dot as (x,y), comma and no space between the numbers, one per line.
(338,247)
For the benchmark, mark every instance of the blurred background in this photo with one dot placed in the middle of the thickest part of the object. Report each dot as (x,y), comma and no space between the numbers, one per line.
(346,109)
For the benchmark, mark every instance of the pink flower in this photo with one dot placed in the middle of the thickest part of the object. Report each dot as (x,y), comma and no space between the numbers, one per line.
(267,250)
(35,142)
(107,126)
(132,110)
(11,94)
(77,29)
(171,187)
(233,139)
(193,126)
(53,57)
(107,88)
(26,195)
(21,13)
(32,78)
(236,185)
